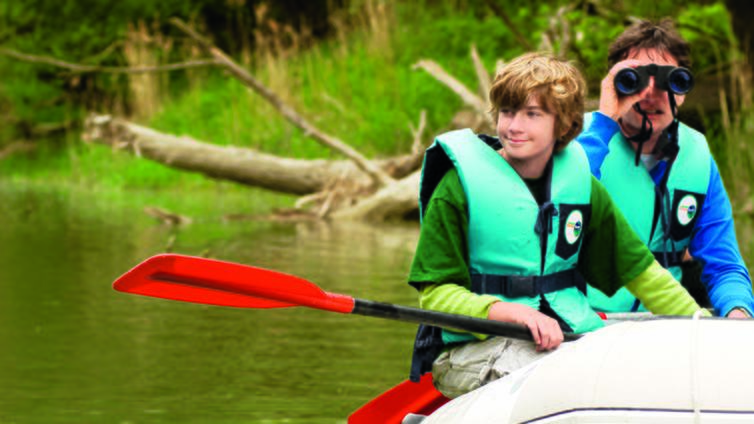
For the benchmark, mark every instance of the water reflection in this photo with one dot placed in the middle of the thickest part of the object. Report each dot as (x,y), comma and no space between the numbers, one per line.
(73,350)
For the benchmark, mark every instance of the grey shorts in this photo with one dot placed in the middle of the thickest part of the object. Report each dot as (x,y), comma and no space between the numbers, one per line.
(472,365)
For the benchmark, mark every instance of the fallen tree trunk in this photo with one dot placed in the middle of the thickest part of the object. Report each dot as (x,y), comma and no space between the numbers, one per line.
(358,188)
(245,166)
(396,201)
(335,188)
(376,174)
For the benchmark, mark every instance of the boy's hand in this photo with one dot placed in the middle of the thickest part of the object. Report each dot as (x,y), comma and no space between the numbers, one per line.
(545,330)
(611,104)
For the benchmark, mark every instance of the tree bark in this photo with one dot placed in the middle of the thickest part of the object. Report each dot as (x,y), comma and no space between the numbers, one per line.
(396,201)
(342,190)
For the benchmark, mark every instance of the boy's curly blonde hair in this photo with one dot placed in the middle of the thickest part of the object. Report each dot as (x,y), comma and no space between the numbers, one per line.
(556,84)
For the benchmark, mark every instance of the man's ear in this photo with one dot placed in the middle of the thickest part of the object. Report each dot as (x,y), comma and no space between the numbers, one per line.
(679,100)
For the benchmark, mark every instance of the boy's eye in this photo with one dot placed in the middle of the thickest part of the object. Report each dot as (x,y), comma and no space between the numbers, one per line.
(506,111)
(533,114)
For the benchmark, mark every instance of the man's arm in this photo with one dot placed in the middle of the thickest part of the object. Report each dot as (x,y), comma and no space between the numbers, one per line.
(595,138)
(604,124)
(714,243)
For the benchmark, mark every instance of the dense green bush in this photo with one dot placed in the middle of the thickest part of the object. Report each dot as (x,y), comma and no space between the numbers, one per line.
(352,77)
(92,32)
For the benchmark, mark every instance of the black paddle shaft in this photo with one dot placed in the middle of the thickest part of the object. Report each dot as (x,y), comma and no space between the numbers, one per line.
(441,319)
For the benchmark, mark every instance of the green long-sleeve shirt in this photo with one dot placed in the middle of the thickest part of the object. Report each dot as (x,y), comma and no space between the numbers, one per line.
(611,256)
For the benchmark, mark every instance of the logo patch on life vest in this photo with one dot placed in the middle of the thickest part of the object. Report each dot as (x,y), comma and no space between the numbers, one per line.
(573,226)
(687,209)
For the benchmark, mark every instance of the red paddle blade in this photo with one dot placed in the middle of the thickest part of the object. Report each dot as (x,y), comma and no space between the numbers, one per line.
(393,405)
(213,282)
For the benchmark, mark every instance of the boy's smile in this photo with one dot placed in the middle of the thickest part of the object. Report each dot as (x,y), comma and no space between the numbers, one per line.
(528,139)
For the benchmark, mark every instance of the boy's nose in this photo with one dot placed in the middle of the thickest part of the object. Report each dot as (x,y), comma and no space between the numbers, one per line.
(515,121)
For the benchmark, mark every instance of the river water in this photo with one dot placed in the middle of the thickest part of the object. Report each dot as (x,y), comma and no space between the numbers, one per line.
(72,350)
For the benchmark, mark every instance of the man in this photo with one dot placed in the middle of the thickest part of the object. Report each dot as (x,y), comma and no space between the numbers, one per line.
(660,172)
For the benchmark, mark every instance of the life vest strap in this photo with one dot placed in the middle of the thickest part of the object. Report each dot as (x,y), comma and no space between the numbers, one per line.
(673,258)
(512,286)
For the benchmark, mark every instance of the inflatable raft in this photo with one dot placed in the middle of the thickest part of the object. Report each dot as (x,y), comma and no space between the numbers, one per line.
(655,371)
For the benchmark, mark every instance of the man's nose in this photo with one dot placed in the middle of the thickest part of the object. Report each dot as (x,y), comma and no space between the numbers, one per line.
(653,85)
(651,90)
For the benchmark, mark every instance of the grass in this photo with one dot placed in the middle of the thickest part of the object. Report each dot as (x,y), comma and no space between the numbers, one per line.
(358,85)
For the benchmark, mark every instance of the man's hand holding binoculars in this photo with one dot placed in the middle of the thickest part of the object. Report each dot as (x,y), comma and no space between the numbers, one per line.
(612,104)
(630,81)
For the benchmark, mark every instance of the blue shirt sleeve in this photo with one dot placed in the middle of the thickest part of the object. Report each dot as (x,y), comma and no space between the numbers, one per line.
(714,243)
(595,138)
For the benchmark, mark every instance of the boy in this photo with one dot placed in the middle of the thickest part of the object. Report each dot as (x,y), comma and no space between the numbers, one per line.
(509,222)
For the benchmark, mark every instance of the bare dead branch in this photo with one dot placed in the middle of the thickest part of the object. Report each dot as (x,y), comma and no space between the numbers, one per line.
(467,96)
(492,4)
(324,210)
(167,217)
(379,177)
(302,201)
(396,200)
(16,147)
(559,20)
(416,146)
(545,44)
(499,64)
(440,74)
(84,69)
(47,128)
(485,82)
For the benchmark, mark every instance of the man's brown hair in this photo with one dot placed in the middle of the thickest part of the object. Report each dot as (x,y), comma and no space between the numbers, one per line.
(556,84)
(644,34)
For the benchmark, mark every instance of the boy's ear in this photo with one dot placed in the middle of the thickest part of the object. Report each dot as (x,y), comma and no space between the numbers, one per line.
(566,130)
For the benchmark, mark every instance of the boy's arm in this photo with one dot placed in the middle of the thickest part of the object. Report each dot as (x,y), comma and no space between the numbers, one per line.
(661,293)
(440,270)
(454,299)
(442,254)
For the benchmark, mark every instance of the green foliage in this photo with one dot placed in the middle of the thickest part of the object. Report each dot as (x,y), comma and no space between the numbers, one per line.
(358,85)
(92,32)
(707,28)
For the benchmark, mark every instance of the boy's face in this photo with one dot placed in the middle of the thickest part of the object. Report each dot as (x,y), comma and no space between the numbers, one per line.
(654,102)
(527,135)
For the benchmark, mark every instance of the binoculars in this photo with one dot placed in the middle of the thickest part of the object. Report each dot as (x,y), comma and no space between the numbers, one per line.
(630,81)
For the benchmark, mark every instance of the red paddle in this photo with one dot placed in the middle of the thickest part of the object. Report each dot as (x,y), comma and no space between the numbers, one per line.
(393,405)
(213,282)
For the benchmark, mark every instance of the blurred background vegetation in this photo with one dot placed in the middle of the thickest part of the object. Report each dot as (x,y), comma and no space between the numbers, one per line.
(344,64)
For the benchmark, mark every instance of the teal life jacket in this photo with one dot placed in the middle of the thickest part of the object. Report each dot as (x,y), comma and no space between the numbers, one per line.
(519,251)
(663,221)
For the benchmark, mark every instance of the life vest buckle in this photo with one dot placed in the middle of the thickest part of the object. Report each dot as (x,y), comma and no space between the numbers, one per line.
(521,286)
